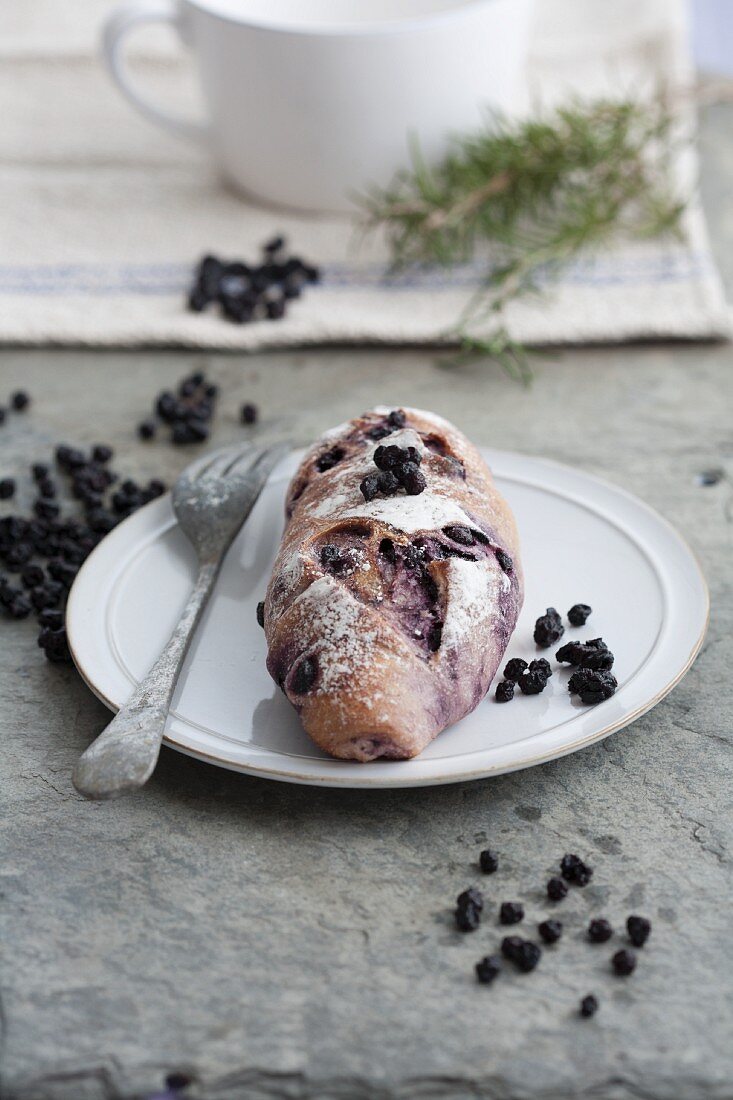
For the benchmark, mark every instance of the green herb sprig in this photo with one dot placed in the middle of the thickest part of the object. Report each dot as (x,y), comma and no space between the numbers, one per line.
(530,195)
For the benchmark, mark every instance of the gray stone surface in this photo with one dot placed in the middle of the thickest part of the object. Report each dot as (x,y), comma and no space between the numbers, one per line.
(276,941)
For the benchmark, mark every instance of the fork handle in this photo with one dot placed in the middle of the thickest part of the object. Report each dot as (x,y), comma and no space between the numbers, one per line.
(124,755)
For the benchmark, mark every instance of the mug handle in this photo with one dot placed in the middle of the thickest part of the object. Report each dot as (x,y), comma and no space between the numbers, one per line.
(122,22)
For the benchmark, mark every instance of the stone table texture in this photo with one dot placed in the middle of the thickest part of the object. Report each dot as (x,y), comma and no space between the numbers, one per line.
(277,942)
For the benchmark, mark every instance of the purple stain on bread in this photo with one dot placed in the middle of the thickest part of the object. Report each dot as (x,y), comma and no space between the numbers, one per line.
(402,595)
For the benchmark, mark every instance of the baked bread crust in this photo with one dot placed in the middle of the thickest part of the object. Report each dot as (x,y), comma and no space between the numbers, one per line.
(397,629)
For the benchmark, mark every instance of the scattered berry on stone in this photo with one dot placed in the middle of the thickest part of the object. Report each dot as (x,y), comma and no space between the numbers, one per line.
(591,654)
(261,613)
(146,429)
(578,614)
(20,400)
(557,889)
(514,669)
(39,471)
(511,912)
(550,930)
(624,962)
(599,930)
(7,488)
(588,1006)
(592,686)
(639,930)
(488,968)
(305,676)
(101,453)
(31,575)
(467,918)
(248,413)
(523,953)
(548,629)
(505,561)
(488,861)
(575,871)
(55,645)
(471,896)
(51,618)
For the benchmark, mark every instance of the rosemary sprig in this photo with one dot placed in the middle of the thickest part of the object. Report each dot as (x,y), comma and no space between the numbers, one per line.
(530,196)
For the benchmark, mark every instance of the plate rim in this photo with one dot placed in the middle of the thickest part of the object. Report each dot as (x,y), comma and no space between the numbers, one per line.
(486,771)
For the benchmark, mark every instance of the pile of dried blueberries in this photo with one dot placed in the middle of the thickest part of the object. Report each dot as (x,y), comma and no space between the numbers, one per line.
(251,292)
(399,468)
(525,954)
(592,682)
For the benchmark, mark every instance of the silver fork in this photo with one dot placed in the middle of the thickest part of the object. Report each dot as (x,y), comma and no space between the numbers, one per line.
(211,499)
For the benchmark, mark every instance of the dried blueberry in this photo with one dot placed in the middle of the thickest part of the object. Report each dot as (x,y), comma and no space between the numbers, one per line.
(548,629)
(488,968)
(532,683)
(550,930)
(488,861)
(504,560)
(514,669)
(467,918)
(462,535)
(413,480)
(599,930)
(511,912)
(32,575)
(146,429)
(305,676)
(591,654)
(504,691)
(54,644)
(101,453)
(471,896)
(386,458)
(588,1006)
(39,471)
(592,686)
(639,929)
(248,413)
(397,419)
(624,962)
(20,400)
(541,667)
(523,953)
(387,550)
(7,488)
(578,614)
(556,889)
(370,486)
(575,871)
(388,483)
(52,619)
(330,458)
(18,554)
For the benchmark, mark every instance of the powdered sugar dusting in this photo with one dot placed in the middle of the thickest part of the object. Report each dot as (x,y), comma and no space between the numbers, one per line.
(346,648)
(472,597)
(425,512)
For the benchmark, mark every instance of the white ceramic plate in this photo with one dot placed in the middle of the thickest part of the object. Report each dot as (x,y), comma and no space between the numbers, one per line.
(583,541)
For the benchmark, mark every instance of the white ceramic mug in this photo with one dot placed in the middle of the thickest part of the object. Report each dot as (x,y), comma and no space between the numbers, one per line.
(309,101)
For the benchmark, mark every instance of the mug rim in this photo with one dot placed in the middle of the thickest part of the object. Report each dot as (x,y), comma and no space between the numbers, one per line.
(344,30)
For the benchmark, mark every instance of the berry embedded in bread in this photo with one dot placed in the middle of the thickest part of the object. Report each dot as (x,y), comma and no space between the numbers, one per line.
(396,587)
